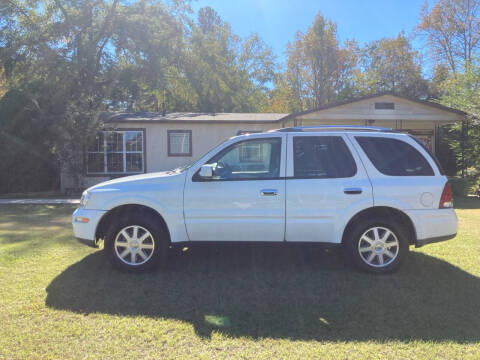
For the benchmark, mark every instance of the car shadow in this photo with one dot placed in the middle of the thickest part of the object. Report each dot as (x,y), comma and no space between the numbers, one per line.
(300,293)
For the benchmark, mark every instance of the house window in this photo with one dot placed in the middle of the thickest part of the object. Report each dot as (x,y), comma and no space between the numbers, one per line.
(179,142)
(251,153)
(116,152)
(384,106)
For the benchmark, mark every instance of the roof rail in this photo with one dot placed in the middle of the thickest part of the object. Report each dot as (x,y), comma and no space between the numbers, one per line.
(334,127)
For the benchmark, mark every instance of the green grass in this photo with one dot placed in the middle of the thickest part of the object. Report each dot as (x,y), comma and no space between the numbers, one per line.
(60,299)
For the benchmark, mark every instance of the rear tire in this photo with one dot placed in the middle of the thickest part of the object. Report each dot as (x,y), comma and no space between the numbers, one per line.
(136,242)
(377,245)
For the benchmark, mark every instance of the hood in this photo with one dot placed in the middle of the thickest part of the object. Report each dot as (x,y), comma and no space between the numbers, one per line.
(133,180)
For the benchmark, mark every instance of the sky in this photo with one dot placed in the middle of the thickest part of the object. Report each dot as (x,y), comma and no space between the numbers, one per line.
(276,21)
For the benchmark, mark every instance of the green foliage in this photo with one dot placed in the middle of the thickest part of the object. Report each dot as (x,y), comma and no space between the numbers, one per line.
(26,161)
(460,186)
(71,60)
(391,65)
(461,91)
(451,29)
(320,70)
(76,59)
(313,65)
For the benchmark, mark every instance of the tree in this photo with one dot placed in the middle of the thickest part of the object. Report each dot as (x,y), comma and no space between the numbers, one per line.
(26,160)
(56,53)
(313,64)
(258,60)
(391,65)
(149,38)
(441,73)
(462,92)
(282,99)
(75,59)
(68,56)
(452,31)
(225,72)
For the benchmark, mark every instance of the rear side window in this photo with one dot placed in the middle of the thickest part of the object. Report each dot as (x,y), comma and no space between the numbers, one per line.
(322,157)
(394,157)
(434,158)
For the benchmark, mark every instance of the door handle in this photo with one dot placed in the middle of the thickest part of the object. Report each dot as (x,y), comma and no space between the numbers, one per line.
(352,191)
(269,192)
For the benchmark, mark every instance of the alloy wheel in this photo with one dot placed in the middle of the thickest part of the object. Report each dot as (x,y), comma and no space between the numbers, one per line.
(378,246)
(134,245)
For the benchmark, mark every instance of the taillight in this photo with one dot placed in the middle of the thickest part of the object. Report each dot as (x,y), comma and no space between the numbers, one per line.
(446,201)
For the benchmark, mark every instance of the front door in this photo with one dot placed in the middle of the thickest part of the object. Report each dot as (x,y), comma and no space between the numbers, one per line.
(245,198)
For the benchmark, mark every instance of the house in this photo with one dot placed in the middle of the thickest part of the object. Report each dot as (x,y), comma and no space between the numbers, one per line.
(133,143)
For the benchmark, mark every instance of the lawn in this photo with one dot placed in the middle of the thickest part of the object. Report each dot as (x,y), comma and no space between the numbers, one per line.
(60,299)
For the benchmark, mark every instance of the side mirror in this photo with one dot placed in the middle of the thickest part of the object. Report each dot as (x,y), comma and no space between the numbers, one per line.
(206,171)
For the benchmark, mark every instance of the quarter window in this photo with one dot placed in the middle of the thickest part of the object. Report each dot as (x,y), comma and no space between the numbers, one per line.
(179,143)
(248,160)
(322,157)
(116,152)
(394,157)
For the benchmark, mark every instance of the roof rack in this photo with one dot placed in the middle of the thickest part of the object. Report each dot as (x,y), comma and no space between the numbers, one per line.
(334,127)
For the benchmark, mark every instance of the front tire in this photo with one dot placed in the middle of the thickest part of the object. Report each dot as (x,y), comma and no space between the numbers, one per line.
(136,243)
(377,245)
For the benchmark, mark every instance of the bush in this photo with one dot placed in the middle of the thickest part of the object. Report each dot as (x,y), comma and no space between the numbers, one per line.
(460,186)
(27,163)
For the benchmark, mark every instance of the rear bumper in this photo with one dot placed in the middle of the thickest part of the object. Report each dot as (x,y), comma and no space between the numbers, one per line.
(422,242)
(433,225)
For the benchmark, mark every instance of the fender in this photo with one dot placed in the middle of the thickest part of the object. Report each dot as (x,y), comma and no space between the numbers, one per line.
(173,216)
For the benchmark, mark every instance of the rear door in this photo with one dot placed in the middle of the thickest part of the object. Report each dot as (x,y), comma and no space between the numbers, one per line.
(326,185)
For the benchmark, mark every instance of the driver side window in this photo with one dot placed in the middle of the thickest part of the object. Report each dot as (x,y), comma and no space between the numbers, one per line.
(248,160)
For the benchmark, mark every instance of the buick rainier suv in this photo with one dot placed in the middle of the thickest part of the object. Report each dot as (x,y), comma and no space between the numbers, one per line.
(374,191)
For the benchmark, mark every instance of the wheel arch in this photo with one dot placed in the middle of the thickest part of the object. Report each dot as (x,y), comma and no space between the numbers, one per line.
(394,213)
(120,210)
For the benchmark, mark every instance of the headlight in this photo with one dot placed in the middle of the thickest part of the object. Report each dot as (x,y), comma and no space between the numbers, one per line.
(84,199)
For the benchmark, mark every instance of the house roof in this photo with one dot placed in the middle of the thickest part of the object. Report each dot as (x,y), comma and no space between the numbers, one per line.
(340,103)
(258,118)
(179,117)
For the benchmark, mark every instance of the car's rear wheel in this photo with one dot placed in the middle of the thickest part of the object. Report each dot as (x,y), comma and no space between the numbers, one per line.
(136,243)
(377,245)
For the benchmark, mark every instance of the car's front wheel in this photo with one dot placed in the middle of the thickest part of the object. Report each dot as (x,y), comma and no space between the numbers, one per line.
(135,242)
(377,246)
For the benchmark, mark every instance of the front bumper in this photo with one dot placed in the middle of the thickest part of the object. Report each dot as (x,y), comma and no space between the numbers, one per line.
(85,231)
(91,243)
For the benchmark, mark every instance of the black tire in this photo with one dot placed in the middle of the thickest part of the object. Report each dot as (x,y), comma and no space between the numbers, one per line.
(361,228)
(155,257)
